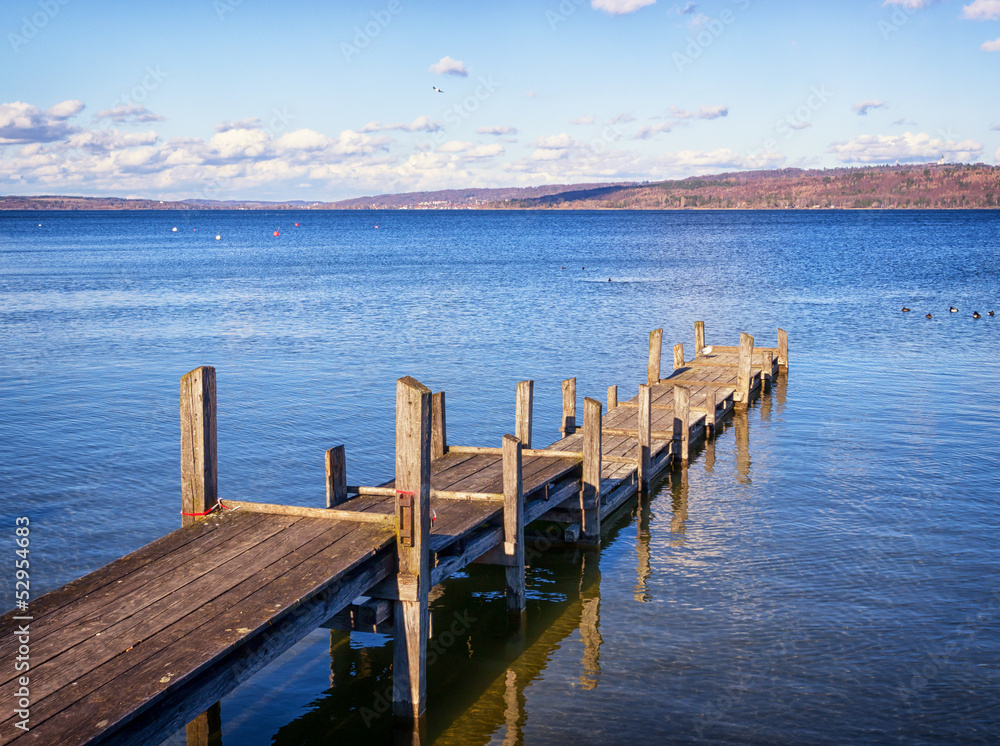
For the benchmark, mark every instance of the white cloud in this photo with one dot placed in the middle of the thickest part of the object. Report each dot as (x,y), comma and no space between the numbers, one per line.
(128,112)
(913,4)
(250,123)
(712,112)
(912,147)
(24,123)
(622,119)
(982,10)
(420,124)
(996,156)
(486,151)
(991,46)
(650,130)
(687,9)
(66,109)
(583,120)
(447,66)
(496,130)
(863,107)
(107,140)
(303,139)
(531,94)
(620,7)
(455,146)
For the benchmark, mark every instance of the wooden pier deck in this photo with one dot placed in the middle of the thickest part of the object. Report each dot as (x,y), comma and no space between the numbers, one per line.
(138,648)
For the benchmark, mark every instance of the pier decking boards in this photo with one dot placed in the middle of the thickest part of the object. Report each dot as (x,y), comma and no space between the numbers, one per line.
(138,648)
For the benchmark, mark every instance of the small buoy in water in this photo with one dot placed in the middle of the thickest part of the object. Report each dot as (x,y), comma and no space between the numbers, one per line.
(975,315)
(218,237)
(195,230)
(582,267)
(175,229)
(609,279)
(952,309)
(296,225)
(564,268)
(39,225)
(276,233)
(376,227)
(928,316)
(905,309)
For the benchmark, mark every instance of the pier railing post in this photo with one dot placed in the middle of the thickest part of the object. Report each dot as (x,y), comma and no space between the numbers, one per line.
(612,398)
(513,524)
(655,352)
(569,407)
(522,412)
(336,476)
(199,454)
(413,523)
(782,349)
(699,337)
(678,355)
(766,370)
(682,423)
(439,427)
(645,436)
(710,405)
(590,494)
(742,396)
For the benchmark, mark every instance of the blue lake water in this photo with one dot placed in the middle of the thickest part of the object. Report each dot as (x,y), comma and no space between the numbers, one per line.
(827,571)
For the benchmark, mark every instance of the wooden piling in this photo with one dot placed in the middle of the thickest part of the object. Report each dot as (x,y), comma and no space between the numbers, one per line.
(413,524)
(655,351)
(612,398)
(678,356)
(699,337)
(782,349)
(682,425)
(645,436)
(742,396)
(766,369)
(513,523)
(569,407)
(522,413)
(336,476)
(710,405)
(199,454)
(590,494)
(439,426)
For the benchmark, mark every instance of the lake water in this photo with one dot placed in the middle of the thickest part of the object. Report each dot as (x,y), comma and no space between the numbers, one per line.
(827,571)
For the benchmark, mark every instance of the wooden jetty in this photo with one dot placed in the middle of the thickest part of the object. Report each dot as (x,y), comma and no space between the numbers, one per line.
(152,641)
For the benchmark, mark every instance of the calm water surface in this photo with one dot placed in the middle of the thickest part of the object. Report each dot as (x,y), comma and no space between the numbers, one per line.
(825,572)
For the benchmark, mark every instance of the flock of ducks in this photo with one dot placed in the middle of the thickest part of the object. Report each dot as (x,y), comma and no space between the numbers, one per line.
(952,309)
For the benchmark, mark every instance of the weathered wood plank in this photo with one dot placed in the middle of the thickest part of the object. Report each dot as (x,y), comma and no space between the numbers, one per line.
(523,412)
(645,436)
(332,514)
(655,352)
(568,407)
(699,337)
(336,476)
(439,428)
(682,429)
(513,522)
(199,463)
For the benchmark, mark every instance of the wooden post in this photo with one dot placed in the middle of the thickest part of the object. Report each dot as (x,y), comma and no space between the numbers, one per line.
(742,396)
(682,423)
(336,476)
(710,405)
(439,427)
(590,494)
(645,436)
(678,356)
(766,369)
(655,351)
(513,523)
(569,407)
(699,337)
(199,455)
(522,413)
(413,525)
(612,398)
(782,349)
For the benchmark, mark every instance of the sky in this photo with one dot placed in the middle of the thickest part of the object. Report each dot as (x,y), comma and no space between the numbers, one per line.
(310,100)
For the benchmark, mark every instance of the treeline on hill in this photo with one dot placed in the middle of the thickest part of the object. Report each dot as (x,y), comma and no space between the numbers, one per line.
(901,187)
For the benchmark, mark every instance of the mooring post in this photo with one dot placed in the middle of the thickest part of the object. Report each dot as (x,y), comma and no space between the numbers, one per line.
(199,454)
(742,396)
(678,356)
(336,476)
(699,337)
(513,524)
(590,494)
(766,369)
(710,405)
(522,412)
(682,423)
(439,428)
(413,525)
(612,398)
(655,351)
(569,407)
(782,349)
(645,436)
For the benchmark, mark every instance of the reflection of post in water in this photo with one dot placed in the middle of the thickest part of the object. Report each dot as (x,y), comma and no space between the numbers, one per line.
(514,707)
(642,549)
(679,503)
(709,444)
(206,729)
(742,426)
(778,390)
(590,620)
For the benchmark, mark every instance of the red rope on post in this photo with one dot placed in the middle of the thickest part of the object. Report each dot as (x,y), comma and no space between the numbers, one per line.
(210,510)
